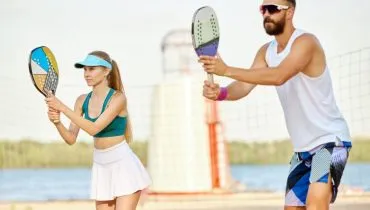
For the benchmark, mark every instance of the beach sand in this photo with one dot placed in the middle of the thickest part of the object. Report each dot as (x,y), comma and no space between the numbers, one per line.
(237,201)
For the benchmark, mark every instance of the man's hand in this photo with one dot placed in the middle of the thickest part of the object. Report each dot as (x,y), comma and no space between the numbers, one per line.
(211,90)
(213,65)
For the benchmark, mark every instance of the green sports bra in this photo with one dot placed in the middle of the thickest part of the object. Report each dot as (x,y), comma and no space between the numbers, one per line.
(116,128)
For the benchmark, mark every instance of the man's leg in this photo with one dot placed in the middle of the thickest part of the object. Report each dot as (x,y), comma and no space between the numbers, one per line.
(294,208)
(326,172)
(297,184)
(319,195)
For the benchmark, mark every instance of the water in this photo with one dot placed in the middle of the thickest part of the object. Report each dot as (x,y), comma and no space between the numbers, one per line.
(273,177)
(44,184)
(73,184)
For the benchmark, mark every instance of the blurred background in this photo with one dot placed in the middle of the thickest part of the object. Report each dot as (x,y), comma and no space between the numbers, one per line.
(194,149)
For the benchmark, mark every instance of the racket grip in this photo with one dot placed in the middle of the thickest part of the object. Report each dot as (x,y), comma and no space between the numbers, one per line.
(210,77)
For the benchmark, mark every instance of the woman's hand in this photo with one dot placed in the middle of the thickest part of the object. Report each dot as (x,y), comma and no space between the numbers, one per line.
(54,116)
(54,103)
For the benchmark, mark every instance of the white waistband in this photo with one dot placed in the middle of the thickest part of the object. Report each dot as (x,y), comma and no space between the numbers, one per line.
(111,154)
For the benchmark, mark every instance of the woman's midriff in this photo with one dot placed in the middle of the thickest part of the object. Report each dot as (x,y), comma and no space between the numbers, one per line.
(106,142)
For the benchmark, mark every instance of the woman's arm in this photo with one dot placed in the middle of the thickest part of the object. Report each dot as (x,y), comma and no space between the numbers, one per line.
(69,135)
(116,105)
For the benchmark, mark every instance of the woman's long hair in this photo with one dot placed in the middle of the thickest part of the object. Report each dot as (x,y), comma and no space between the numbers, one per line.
(115,82)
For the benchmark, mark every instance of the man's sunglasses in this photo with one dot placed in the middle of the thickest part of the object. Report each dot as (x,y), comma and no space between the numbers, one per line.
(272,8)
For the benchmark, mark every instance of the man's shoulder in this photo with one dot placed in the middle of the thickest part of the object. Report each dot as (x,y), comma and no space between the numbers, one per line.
(265,46)
(306,38)
(307,35)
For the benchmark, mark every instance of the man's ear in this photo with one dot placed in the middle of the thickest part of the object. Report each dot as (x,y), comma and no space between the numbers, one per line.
(290,13)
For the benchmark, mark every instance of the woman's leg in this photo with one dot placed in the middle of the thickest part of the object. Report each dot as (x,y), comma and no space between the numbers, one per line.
(128,202)
(105,205)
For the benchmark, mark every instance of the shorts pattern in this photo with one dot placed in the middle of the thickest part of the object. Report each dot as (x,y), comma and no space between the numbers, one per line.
(315,166)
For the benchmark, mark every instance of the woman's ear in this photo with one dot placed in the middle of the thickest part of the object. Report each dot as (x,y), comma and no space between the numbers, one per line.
(107,72)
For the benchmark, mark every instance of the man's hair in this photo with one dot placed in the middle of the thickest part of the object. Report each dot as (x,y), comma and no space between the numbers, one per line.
(291,2)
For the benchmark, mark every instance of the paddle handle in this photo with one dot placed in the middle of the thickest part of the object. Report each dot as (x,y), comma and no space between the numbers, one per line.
(210,77)
(47,94)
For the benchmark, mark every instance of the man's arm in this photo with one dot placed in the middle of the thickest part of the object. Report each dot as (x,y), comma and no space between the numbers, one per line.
(238,89)
(298,59)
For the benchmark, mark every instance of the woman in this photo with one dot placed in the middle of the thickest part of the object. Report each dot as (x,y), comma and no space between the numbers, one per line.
(118,176)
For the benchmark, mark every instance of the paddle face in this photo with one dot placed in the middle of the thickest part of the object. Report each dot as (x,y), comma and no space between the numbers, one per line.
(205,31)
(43,69)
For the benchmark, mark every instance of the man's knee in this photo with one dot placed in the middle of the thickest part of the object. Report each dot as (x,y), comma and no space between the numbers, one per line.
(294,208)
(317,201)
(319,197)
(317,206)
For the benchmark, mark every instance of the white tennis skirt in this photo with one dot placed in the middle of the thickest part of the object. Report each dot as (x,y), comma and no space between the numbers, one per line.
(117,171)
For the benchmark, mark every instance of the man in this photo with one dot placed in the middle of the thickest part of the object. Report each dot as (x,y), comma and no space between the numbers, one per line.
(295,63)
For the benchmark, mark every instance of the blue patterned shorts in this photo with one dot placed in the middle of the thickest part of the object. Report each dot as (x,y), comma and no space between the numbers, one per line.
(315,166)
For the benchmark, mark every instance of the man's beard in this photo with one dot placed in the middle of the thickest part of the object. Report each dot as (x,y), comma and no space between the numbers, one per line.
(274,28)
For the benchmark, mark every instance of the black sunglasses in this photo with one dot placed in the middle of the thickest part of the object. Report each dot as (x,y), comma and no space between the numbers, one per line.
(272,8)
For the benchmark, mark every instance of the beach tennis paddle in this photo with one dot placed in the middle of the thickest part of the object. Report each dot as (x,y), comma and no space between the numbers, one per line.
(205,33)
(43,69)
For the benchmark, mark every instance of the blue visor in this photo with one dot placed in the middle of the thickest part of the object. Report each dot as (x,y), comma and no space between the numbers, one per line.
(92,60)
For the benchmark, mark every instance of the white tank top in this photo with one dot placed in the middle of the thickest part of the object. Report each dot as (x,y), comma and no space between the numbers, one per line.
(311,113)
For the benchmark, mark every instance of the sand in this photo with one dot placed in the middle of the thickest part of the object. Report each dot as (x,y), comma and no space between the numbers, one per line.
(238,201)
